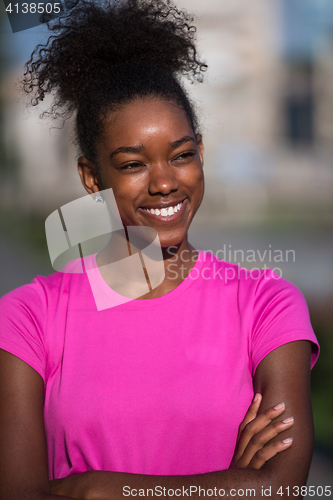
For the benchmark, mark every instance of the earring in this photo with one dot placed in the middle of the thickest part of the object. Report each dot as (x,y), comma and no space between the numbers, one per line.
(99,199)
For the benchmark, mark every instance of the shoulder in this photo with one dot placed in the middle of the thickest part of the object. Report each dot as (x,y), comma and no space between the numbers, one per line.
(43,290)
(24,317)
(27,309)
(272,309)
(255,281)
(32,295)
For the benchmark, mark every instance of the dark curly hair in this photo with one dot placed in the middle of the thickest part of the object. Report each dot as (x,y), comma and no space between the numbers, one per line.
(104,55)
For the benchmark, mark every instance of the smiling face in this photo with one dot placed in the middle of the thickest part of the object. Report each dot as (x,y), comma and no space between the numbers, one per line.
(149,156)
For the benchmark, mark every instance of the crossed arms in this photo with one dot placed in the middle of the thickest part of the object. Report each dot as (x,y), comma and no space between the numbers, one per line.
(261,458)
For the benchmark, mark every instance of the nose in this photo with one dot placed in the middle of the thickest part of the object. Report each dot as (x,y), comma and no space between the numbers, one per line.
(162,179)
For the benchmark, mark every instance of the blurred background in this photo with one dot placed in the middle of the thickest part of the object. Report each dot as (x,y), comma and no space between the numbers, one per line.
(266,109)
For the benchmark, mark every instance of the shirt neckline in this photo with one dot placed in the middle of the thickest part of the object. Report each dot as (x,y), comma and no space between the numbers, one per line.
(115,298)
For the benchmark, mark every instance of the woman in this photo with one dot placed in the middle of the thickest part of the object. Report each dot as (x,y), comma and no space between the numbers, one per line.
(158,391)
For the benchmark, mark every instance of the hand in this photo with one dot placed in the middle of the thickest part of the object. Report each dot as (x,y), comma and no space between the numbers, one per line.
(255,431)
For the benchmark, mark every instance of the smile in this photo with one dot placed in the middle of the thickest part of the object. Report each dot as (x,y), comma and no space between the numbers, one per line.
(170,212)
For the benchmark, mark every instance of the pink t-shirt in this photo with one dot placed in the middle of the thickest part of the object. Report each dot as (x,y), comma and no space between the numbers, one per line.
(156,386)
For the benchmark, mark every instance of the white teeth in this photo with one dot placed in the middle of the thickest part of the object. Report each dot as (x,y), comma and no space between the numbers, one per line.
(164,211)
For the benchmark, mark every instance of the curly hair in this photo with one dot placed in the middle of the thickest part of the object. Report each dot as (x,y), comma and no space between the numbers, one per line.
(104,55)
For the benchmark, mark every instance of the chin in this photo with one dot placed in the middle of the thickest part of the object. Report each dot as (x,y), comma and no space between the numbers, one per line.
(172,238)
(171,243)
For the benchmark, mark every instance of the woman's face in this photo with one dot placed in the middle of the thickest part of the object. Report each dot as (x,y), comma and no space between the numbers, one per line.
(150,157)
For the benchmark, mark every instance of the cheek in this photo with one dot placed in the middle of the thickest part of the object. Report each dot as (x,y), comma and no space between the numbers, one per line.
(194,178)
(198,186)
(127,193)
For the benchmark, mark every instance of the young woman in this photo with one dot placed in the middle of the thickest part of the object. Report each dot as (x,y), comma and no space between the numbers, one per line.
(201,382)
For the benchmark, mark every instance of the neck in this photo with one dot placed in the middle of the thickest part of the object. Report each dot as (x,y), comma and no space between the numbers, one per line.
(178,260)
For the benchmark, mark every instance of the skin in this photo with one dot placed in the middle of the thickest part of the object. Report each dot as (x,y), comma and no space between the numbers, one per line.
(167,169)
(261,457)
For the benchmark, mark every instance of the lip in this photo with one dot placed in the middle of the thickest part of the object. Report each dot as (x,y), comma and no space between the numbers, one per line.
(164,205)
(166,218)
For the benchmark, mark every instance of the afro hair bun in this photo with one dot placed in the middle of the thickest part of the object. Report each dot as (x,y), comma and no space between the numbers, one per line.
(93,39)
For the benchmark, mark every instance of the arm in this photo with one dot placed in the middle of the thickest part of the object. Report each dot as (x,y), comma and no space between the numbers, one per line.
(283,375)
(23,457)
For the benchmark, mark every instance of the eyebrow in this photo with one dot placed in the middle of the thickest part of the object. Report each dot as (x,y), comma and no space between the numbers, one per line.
(181,141)
(140,148)
(127,149)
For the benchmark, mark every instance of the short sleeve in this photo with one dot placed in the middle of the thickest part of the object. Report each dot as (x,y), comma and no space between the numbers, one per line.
(22,320)
(280,315)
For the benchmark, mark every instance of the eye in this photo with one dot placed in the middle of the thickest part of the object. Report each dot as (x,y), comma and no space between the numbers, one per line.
(131,166)
(184,156)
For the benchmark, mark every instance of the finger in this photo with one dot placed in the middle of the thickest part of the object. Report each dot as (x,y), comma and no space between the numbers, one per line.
(268,452)
(259,440)
(251,412)
(249,416)
(263,420)
(255,426)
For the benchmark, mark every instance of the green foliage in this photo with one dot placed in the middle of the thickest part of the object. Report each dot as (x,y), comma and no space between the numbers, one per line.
(322,377)
(26,231)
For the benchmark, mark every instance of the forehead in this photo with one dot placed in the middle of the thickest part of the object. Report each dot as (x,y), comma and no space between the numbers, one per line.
(145,120)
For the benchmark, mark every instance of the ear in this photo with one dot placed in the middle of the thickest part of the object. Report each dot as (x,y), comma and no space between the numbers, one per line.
(200,146)
(88,174)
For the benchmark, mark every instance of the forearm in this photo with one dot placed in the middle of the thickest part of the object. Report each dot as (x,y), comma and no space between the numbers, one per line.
(47,496)
(35,495)
(104,485)
(221,482)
